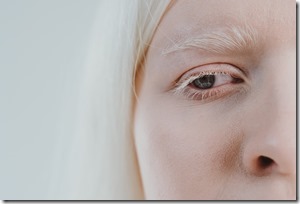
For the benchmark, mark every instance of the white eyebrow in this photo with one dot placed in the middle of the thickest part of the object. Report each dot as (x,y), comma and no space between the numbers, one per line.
(220,41)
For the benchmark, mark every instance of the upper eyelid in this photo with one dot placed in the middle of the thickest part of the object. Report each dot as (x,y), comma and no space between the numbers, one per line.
(242,69)
(207,73)
(216,67)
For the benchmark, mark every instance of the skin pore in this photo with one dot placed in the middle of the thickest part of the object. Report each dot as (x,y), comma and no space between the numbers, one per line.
(215,116)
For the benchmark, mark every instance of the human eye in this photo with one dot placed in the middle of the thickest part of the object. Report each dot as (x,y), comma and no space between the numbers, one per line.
(210,82)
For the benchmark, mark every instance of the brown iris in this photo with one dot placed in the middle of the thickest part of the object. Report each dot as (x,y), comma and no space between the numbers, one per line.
(204,82)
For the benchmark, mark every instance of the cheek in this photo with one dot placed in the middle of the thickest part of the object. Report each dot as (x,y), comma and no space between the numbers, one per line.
(183,150)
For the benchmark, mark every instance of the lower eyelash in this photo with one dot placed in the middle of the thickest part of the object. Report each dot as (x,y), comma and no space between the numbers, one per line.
(193,94)
(209,94)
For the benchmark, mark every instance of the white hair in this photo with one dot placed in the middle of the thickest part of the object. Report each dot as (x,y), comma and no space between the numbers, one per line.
(103,164)
(228,38)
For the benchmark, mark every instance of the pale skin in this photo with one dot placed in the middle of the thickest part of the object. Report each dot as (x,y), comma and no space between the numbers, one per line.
(233,139)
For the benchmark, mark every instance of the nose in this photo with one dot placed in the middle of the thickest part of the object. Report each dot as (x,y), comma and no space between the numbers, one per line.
(270,142)
(271,152)
(269,147)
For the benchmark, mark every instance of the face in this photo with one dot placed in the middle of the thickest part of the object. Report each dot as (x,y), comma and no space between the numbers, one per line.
(215,116)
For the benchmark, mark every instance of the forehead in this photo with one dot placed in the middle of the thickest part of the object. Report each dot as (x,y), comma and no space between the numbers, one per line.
(271,18)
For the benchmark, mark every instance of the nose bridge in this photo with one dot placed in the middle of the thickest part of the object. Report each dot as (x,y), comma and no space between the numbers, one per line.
(284,82)
(277,92)
(281,89)
(274,100)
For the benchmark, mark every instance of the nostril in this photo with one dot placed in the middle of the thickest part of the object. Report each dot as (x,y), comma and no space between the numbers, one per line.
(265,162)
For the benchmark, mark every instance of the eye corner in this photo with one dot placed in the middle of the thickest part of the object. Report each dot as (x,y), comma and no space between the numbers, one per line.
(237,80)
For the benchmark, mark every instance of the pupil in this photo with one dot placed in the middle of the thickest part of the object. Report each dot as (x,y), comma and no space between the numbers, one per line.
(204,82)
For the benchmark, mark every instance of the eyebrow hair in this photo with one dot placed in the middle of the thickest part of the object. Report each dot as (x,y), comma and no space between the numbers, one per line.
(228,39)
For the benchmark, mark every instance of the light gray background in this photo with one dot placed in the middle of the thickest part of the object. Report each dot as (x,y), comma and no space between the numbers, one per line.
(43,45)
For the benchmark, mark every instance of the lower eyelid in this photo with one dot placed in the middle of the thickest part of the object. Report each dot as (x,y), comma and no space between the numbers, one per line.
(209,95)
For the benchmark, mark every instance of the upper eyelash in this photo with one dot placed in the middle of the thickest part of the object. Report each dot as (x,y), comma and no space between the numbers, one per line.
(181,84)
